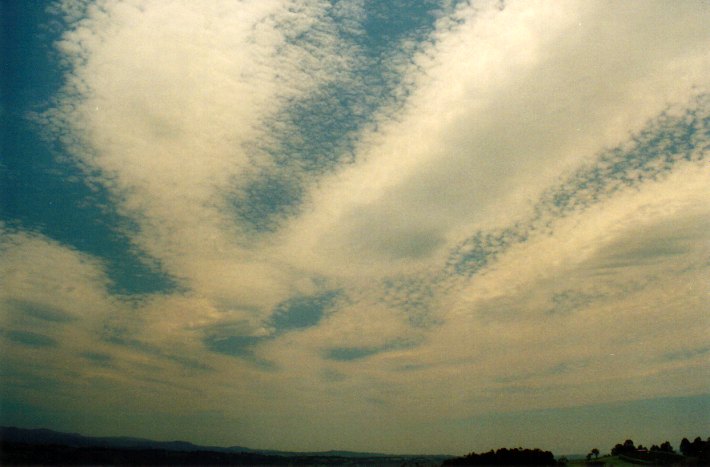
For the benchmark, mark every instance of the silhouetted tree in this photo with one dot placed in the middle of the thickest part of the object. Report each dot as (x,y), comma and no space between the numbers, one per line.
(504,456)
(698,448)
(595,451)
(626,448)
(685,447)
(666,447)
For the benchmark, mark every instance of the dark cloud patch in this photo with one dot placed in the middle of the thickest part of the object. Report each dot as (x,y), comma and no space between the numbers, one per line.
(233,339)
(236,339)
(413,294)
(189,363)
(517,389)
(266,198)
(235,346)
(570,301)
(239,346)
(333,376)
(415,245)
(396,243)
(656,243)
(503,309)
(40,311)
(120,337)
(98,358)
(479,250)
(21,379)
(642,251)
(302,312)
(31,339)
(686,354)
(414,367)
(519,379)
(346,354)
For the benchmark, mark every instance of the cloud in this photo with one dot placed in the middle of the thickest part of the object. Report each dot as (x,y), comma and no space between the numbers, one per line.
(602,294)
(48,282)
(302,312)
(665,142)
(349,353)
(164,113)
(477,143)
(236,345)
(345,354)
(39,311)
(31,339)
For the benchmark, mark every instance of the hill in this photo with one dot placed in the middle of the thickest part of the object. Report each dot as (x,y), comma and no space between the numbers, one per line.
(19,446)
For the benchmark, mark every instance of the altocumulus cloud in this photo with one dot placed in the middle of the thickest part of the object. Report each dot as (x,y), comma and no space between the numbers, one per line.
(360,218)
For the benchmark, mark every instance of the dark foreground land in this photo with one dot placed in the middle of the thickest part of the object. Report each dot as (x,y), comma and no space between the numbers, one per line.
(27,454)
(45,447)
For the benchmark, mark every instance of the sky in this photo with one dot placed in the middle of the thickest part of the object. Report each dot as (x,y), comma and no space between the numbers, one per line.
(408,226)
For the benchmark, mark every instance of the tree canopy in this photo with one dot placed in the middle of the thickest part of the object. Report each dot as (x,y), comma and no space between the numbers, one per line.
(504,456)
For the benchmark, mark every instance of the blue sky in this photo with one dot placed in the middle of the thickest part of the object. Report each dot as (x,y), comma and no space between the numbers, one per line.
(429,226)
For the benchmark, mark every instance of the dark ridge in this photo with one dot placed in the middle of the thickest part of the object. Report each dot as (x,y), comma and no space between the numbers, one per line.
(20,446)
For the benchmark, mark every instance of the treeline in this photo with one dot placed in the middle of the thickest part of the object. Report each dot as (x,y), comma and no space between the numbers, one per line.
(503,456)
(696,452)
(628,448)
(698,448)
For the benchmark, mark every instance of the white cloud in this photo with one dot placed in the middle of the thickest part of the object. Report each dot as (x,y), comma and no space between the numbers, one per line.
(36,269)
(162,102)
(507,102)
(557,321)
(584,299)
(70,346)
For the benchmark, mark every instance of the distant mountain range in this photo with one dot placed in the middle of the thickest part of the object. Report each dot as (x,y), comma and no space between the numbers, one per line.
(44,437)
